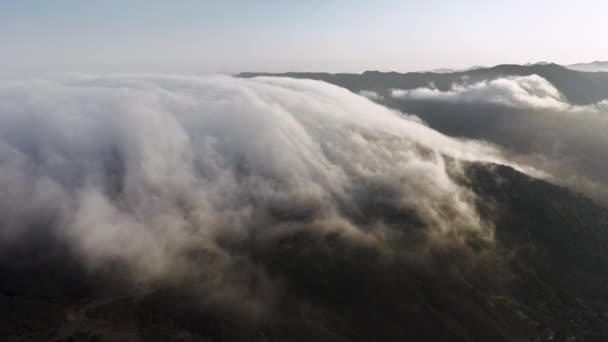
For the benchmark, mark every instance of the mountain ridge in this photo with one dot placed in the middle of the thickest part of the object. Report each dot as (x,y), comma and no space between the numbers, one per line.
(580,88)
(545,281)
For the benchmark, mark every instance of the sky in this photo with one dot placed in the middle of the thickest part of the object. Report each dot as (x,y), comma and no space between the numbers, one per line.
(315,35)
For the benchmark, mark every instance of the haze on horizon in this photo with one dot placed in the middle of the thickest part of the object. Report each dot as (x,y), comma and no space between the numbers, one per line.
(335,36)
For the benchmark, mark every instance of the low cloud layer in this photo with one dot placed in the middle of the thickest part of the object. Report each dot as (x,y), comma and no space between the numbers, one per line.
(528,116)
(173,177)
(530,92)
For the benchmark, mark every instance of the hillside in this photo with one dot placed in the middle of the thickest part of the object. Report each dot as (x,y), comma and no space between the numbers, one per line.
(545,280)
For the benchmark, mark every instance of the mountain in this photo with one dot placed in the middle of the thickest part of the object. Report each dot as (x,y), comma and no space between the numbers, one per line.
(546,115)
(449,71)
(590,67)
(443,71)
(224,209)
(544,279)
(578,87)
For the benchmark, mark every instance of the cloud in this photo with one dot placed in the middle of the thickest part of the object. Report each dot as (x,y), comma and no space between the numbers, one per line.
(372,95)
(528,116)
(177,177)
(532,92)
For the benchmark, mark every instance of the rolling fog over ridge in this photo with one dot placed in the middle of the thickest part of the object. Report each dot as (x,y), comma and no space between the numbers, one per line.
(151,191)
(594,87)
(543,114)
(167,206)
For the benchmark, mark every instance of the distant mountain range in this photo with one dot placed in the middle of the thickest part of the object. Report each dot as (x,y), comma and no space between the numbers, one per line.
(448,70)
(578,87)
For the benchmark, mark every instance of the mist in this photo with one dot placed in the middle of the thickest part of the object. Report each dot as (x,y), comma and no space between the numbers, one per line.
(178,179)
(529,118)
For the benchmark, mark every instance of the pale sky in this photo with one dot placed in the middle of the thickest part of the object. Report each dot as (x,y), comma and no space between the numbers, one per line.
(313,35)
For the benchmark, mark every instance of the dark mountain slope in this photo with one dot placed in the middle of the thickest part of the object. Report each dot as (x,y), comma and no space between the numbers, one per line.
(545,279)
(578,87)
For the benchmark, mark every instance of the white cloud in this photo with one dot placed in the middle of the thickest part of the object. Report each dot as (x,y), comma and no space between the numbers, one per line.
(372,95)
(146,169)
(530,91)
(539,125)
